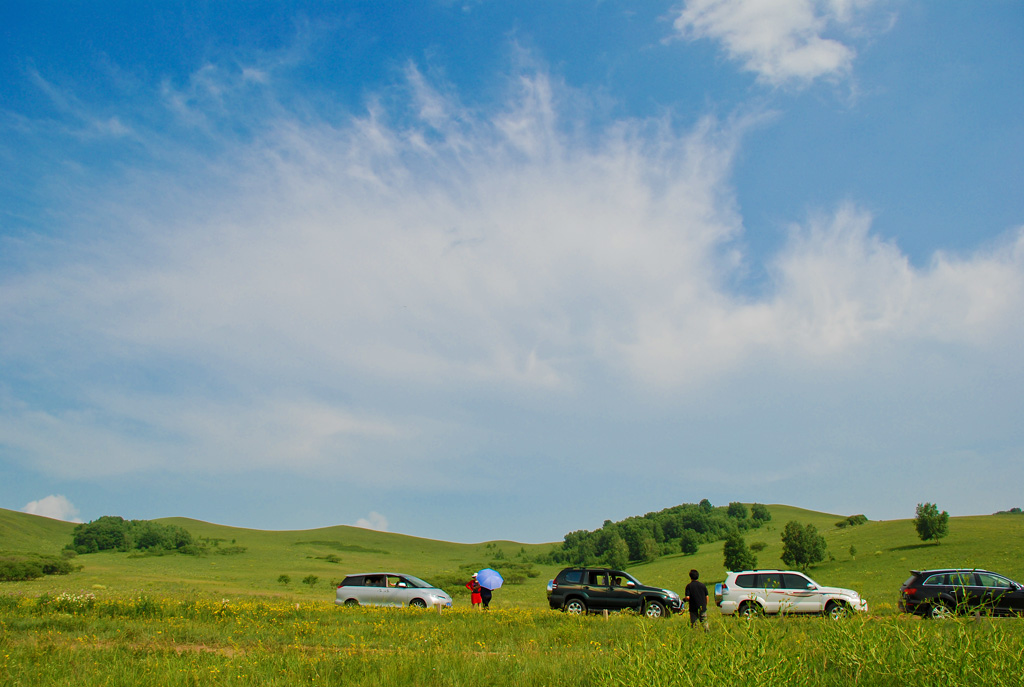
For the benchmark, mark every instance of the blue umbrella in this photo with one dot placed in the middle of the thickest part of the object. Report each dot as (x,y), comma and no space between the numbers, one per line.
(490,579)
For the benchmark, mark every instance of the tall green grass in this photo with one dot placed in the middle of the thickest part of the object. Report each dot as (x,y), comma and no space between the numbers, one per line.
(87,640)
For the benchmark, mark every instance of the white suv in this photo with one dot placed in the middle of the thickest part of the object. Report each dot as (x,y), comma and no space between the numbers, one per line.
(753,592)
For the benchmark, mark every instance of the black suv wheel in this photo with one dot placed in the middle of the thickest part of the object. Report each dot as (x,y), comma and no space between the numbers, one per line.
(575,607)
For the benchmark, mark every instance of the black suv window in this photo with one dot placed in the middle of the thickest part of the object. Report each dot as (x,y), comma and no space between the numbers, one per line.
(573,576)
(937,580)
(598,579)
(991,580)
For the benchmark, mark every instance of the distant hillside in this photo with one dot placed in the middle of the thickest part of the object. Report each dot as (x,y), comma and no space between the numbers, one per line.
(873,558)
(32,533)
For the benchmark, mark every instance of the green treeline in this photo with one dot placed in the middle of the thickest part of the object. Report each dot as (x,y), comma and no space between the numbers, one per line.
(114,533)
(681,528)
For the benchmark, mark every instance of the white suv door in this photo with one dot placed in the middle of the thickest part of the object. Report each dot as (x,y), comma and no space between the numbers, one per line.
(802,593)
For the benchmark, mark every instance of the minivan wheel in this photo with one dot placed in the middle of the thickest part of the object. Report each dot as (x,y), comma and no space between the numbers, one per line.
(351,602)
(837,610)
(940,611)
(575,607)
(418,603)
(654,609)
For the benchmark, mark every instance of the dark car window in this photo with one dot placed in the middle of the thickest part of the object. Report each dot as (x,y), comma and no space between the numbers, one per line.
(961,579)
(991,580)
(770,581)
(574,576)
(598,579)
(794,581)
(374,581)
(353,581)
(746,581)
(939,580)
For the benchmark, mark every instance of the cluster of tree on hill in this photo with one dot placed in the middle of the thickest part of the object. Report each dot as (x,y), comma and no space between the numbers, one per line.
(114,533)
(852,521)
(29,566)
(681,528)
(1013,511)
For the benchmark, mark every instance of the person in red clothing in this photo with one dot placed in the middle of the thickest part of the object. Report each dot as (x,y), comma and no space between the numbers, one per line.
(474,587)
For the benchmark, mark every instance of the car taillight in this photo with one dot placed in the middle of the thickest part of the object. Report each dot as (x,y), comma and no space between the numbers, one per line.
(910,591)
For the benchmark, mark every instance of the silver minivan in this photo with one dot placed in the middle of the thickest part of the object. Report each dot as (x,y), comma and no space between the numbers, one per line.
(389,589)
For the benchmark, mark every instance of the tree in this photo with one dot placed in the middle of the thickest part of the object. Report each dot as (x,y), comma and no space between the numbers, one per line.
(802,546)
(737,555)
(689,542)
(616,555)
(759,512)
(737,510)
(930,523)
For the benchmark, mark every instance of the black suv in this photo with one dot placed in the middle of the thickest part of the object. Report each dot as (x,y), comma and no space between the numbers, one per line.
(942,593)
(579,590)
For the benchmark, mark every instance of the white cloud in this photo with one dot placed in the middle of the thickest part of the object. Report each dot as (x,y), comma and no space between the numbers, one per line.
(54,506)
(782,41)
(373,521)
(332,298)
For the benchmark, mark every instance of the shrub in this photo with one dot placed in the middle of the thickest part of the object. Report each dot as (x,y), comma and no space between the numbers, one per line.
(284,579)
(21,567)
(311,580)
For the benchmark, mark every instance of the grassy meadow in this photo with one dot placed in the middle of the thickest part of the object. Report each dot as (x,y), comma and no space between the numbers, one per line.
(226,619)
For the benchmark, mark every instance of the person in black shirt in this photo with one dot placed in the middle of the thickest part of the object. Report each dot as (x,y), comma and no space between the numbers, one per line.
(696,597)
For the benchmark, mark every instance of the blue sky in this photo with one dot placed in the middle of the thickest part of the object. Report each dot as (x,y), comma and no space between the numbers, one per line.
(479,270)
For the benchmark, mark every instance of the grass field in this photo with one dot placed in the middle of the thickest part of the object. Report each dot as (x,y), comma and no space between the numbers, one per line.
(225,619)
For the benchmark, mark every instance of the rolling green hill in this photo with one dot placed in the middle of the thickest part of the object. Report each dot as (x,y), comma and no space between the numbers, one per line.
(885,552)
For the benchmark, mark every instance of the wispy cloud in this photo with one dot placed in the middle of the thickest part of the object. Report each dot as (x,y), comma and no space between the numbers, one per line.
(318,293)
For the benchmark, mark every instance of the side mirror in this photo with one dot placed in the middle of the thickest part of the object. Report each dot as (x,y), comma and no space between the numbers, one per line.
(402,584)
(630,584)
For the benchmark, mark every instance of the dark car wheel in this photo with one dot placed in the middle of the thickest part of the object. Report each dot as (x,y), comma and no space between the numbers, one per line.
(654,609)
(940,610)
(351,602)
(575,607)
(418,603)
(749,609)
(837,610)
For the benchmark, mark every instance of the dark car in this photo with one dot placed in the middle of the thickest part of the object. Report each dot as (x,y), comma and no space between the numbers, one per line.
(942,593)
(579,590)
